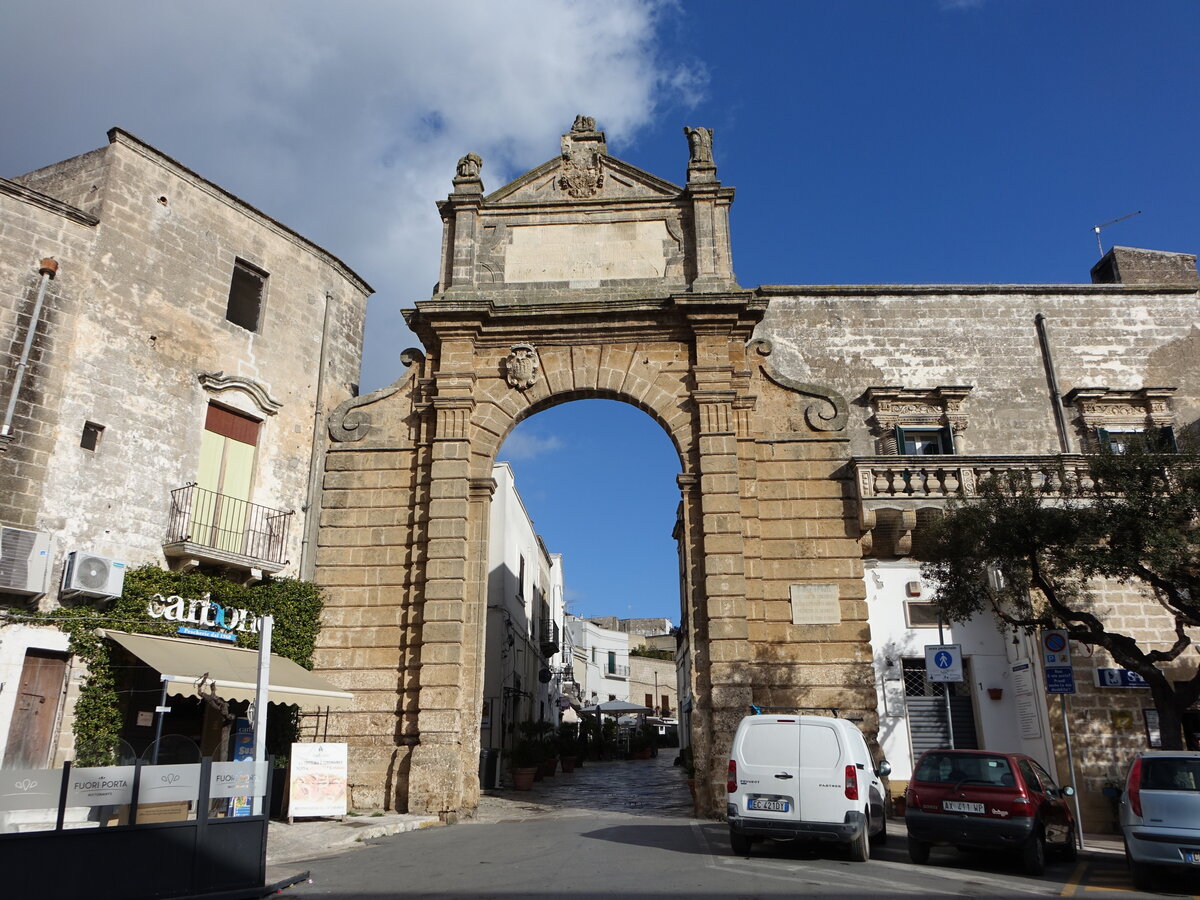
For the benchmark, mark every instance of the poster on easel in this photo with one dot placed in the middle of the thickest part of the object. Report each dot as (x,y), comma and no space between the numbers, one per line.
(317,784)
(243,749)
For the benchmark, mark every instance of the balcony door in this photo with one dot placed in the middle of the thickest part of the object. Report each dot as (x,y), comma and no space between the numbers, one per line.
(222,508)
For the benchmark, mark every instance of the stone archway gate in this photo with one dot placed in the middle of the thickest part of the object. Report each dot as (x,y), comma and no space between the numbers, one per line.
(585,277)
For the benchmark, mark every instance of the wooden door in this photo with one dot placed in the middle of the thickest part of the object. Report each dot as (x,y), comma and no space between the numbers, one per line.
(31,733)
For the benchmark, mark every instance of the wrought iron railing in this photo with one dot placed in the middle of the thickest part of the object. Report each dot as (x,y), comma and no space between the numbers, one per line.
(227,524)
(548,636)
(617,671)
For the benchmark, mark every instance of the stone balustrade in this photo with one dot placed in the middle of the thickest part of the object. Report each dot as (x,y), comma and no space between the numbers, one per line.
(901,486)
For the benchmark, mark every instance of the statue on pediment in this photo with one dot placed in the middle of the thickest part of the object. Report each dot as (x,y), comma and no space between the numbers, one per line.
(700,144)
(469,166)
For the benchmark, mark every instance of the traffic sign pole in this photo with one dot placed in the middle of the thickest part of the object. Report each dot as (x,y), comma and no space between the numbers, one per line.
(1071,766)
(946,690)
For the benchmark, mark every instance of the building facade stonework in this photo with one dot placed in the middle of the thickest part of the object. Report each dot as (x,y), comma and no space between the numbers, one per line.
(795,412)
(629,294)
(153,393)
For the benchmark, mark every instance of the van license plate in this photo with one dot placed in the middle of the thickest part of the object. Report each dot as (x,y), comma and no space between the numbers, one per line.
(767,804)
(959,806)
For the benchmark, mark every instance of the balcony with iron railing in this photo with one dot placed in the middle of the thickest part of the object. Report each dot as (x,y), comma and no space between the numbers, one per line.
(896,493)
(548,637)
(616,671)
(216,529)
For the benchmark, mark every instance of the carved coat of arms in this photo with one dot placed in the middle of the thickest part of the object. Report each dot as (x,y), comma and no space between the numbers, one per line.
(521,366)
(581,174)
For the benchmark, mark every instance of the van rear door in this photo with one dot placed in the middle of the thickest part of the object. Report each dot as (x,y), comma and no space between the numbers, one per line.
(822,773)
(768,767)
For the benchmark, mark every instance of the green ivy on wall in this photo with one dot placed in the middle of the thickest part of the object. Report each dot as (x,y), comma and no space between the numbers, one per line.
(295,606)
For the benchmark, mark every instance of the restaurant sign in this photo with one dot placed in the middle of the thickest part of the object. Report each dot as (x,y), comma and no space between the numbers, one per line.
(203,618)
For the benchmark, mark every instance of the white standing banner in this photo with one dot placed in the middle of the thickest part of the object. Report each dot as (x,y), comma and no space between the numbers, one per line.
(1028,721)
(318,780)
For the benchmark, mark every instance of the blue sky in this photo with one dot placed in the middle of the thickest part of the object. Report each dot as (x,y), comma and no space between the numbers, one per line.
(870,141)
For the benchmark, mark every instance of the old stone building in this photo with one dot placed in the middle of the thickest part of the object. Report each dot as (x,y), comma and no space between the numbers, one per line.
(169,356)
(796,412)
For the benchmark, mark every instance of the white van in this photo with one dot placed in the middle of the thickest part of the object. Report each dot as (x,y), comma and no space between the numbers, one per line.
(804,776)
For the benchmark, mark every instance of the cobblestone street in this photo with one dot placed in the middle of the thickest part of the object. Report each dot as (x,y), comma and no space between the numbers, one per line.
(653,787)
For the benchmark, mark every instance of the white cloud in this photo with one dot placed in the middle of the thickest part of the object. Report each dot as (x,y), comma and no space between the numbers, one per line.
(524,445)
(342,120)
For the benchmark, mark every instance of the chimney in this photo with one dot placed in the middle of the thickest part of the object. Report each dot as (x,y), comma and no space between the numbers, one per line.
(1129,265)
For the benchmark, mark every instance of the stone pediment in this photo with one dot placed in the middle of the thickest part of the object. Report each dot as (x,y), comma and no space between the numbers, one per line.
(550,183)
(586,226)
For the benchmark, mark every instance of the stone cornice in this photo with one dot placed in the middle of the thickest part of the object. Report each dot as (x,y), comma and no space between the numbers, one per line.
(908,290)
(45,201)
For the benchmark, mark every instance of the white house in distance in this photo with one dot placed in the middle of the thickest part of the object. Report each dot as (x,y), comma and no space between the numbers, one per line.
(524,662)
(601,661)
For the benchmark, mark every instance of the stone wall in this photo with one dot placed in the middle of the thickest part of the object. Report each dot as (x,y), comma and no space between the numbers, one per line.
(136,314)
(33,227)
(1119,336)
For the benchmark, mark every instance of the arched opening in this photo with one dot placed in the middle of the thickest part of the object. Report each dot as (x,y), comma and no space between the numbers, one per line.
(583,589)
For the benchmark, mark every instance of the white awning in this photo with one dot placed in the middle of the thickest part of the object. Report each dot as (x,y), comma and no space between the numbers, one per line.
(232,670)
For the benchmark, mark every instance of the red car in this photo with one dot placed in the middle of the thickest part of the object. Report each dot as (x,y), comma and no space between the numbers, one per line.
(983,800)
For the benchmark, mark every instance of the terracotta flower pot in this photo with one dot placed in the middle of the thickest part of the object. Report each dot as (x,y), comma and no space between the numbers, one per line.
(568,764)
(548,766)
(523,778)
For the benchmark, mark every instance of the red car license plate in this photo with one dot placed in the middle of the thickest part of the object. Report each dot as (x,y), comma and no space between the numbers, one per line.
(960,806)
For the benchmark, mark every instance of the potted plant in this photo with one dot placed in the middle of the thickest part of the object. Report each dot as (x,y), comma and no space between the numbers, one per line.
(567,743)
(524,759)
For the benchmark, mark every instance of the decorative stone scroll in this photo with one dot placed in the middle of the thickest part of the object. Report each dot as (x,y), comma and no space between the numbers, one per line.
(938,407)
(521,367)
(829,414)
(350,422)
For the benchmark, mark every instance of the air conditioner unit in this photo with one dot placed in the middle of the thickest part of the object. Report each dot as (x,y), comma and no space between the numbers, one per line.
(92,576)
(24,561)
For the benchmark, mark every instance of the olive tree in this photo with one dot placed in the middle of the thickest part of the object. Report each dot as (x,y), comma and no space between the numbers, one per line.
(1033,551)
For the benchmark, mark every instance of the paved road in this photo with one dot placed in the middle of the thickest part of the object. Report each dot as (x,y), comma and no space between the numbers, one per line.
(624,830)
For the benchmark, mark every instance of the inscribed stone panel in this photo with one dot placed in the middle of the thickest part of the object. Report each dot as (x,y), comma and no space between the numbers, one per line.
(581,252)
(815,604)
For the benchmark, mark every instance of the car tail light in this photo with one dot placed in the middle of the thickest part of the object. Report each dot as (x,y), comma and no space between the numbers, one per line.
(1133,790)
(911,799)
(731,780)
(851,783)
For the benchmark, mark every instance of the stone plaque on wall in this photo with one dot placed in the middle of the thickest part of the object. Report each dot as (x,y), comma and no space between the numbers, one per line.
(815,604)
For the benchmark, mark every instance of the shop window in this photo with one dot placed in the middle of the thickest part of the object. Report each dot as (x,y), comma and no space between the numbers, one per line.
(247,288)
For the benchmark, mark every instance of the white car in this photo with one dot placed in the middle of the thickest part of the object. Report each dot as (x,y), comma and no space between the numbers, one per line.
(1160,813)
(804,776)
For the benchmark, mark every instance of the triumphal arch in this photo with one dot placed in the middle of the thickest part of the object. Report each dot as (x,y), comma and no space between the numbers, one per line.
(586,277)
